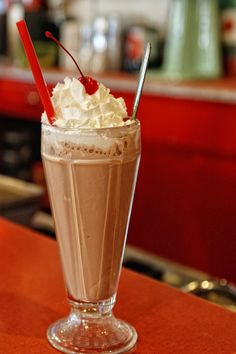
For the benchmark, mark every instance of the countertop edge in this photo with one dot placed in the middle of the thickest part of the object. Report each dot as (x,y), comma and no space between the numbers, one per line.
(128,83)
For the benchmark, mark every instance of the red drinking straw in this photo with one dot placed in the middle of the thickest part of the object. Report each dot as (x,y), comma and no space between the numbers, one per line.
(36,70)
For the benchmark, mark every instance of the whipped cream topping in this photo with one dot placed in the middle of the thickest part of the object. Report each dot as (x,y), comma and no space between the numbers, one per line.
(74,108)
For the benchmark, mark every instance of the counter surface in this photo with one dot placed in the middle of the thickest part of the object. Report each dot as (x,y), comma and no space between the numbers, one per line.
(32,296)
(218,90)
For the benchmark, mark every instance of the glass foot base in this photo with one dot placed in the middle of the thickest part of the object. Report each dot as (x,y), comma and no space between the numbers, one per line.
(76,334)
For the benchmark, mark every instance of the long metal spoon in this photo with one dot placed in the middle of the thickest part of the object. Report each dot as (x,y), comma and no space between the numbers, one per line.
(142,75)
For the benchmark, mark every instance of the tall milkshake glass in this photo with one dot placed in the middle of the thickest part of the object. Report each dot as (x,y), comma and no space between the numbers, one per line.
(91,176)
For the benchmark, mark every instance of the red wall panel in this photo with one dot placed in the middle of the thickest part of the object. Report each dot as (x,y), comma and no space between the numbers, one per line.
(185,202)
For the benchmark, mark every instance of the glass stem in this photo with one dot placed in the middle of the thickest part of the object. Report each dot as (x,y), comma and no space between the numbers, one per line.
(94,310)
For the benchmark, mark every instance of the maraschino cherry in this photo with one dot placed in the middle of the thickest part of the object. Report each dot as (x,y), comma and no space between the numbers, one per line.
(89,83)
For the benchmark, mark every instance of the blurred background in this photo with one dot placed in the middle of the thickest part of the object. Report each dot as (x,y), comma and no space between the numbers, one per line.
(183,223)
(107,35)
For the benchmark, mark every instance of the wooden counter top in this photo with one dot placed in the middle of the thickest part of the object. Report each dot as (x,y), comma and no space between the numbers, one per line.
(32,296)
(220,90)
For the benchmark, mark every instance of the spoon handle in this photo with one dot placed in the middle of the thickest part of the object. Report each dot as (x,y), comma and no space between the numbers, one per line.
(142,75)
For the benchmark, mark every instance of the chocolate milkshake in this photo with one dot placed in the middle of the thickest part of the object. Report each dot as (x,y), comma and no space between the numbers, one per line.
(90,151)
(91,155)
(91,176)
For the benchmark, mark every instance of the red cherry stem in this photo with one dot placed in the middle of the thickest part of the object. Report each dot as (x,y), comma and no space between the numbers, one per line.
(50,35)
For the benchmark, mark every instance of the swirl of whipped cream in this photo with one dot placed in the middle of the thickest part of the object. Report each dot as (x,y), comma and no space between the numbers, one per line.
(74,108)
